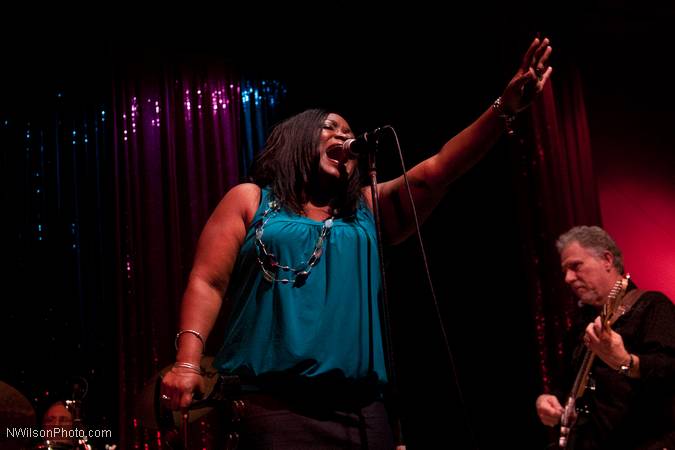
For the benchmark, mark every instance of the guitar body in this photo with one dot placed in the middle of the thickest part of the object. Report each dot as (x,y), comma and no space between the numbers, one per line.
(569,416)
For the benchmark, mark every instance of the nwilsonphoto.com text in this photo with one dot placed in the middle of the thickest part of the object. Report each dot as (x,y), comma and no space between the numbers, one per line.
(56,433)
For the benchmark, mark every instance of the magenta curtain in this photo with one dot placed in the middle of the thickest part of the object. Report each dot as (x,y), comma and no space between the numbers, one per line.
(557,190)
(176,152)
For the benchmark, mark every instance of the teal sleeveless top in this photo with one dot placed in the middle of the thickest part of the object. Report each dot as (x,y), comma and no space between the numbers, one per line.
(329,325)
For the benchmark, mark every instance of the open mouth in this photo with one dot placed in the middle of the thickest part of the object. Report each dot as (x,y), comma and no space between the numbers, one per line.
(337,154)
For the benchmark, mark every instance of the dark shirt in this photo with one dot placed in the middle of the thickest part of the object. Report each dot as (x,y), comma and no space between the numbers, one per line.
(633,413)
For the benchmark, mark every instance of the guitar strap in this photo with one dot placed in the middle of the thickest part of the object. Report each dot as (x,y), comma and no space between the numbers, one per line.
(628,300)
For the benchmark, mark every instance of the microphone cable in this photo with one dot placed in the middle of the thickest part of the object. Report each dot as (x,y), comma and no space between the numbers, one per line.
(441,326)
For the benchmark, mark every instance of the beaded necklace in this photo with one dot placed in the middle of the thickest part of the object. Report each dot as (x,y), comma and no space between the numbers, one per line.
(268,261)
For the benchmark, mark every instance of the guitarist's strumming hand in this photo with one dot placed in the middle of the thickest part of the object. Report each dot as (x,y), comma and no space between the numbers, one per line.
(606,344)
(549,409)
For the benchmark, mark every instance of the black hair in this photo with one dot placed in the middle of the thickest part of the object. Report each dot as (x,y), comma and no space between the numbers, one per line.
(289,163)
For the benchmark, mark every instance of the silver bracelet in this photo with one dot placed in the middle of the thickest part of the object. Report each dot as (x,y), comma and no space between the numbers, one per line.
(187,365)
(498,106)
(196,333)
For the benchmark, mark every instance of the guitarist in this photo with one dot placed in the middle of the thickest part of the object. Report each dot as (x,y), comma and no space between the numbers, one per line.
(629,400)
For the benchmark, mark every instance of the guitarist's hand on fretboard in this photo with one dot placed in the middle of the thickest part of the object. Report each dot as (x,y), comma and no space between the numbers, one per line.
(606,344)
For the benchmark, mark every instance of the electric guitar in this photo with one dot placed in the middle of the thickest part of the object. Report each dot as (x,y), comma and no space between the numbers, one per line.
(610,312)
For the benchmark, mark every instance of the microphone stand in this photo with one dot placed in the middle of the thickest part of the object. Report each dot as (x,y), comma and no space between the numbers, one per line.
(384,301)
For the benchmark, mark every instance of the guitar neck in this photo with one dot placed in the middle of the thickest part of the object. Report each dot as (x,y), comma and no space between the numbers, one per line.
(608,315)
(582,375)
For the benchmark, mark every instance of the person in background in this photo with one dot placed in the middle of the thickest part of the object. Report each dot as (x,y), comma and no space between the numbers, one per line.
(630,403)
(57,423)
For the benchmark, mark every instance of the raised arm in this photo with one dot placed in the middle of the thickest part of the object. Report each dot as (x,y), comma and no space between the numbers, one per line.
(216,254)
(429,180)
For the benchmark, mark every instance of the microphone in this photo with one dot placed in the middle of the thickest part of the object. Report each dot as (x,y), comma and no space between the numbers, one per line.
(364,144)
